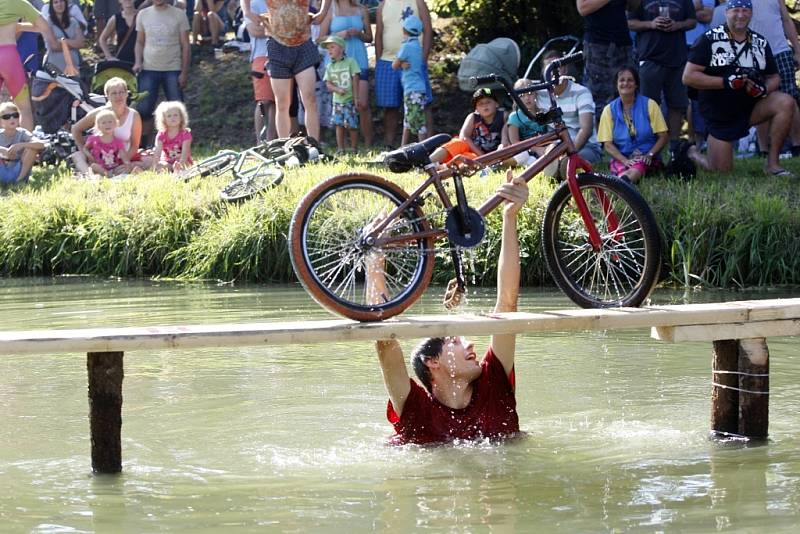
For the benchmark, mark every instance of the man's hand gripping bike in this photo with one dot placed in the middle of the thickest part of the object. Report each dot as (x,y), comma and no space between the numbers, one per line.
(599,236)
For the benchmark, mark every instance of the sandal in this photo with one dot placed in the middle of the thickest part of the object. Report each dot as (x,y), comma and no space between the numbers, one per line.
(779,173)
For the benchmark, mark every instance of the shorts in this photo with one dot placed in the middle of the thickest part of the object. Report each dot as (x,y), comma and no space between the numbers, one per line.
(345,115)
(9,171)
(601,61)
(414,113)
(104,9)
(389,88)
(11,71)
(656,78)
(785,62)
(731,130)
(456,147)
(286,62)
(262,88)
(618,168)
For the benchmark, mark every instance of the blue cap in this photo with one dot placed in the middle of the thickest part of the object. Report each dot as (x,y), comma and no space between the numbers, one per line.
(739,3)
(412,25)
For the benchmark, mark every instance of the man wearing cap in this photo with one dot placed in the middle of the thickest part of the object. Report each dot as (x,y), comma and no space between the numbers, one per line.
(734,71)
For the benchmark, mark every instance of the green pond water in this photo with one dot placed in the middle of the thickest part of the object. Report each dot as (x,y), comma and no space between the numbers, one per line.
(293,438)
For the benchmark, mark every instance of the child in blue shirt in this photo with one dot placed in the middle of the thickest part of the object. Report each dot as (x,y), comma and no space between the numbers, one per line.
(520,127)
(410,59)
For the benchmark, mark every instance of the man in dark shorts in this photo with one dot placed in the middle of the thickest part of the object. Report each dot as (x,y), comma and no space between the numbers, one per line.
(607,46)
(461,397)
(660,28)
(733,69)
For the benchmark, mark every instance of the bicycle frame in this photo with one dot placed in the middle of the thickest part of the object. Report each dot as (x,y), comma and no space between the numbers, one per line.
(460,166)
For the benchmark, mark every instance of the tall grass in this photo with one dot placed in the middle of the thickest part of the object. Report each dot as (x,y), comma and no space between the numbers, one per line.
(726,231)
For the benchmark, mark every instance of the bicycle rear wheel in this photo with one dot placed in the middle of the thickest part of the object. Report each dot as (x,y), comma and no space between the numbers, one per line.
(328,249)
(625,269)
(245,187)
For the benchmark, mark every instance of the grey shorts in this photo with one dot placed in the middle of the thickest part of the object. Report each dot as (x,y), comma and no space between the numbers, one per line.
(656,78)
(286,62)
(105,9)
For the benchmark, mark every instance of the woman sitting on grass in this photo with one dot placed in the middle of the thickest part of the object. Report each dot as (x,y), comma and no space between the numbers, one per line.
(129,130)
(632,129)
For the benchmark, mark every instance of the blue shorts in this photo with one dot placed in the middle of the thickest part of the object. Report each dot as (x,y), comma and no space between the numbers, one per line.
(345,115)
(286,62)
(9,171)
(389,88)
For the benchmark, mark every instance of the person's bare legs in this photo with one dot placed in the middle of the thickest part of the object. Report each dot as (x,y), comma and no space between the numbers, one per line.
(269,115)
(28,159)
(364,112)
(307,82)
(718,156)
(282,88)
(776,109)
(391,116)
(23,102)
(215,26)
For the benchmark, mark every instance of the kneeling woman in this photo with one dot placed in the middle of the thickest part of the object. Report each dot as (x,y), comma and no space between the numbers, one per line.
(632,129)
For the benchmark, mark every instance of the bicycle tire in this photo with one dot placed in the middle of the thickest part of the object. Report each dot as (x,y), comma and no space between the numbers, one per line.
(217,164)
(626,268)
(328,254)
(245,187)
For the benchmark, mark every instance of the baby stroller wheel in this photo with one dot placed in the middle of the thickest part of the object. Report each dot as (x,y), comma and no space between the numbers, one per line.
(250,184)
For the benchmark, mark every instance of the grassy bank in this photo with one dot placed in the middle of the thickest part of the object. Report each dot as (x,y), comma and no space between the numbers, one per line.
(727,231)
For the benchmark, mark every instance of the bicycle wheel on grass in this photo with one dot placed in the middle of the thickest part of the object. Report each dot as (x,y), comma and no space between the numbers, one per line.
(625,269)
(328,249)
(244,187)
(217,164)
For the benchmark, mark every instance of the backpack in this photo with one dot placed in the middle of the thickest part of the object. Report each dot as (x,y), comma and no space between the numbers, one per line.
(500,56)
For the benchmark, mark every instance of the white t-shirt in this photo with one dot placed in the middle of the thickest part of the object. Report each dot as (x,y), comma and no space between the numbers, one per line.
(162,30)
(575,99)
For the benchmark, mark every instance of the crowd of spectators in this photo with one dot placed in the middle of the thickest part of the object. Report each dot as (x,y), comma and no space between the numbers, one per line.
(650,66)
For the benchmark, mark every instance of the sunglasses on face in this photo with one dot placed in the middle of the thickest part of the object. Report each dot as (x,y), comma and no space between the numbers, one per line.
(9,116)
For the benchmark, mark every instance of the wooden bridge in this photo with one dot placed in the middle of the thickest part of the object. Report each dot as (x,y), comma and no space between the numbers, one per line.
(738,331)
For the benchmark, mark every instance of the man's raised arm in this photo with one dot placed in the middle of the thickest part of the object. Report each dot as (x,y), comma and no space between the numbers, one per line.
(515,191)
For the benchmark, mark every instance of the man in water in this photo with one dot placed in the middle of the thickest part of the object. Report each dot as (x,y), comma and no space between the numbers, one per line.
(12,75)
(460,396)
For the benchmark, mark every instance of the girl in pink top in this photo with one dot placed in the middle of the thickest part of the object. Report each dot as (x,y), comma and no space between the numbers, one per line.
(174,138)
(105,152)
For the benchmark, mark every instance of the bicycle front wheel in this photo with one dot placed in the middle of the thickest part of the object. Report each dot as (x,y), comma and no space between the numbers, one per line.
(625,268)
(328,248)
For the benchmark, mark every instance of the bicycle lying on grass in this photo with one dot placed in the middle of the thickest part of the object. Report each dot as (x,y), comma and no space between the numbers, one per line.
(256,169)
(599,236)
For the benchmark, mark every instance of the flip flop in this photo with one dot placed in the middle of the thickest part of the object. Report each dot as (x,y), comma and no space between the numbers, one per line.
(782,173)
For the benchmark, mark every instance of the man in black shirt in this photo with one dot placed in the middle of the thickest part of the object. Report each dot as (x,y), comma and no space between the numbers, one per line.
(607,46)
(660,27)
(733,69)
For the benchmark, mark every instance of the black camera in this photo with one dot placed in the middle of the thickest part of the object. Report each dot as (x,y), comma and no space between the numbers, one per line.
(754,75)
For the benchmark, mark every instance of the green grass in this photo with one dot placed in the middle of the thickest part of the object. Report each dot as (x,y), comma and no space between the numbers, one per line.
(737,230)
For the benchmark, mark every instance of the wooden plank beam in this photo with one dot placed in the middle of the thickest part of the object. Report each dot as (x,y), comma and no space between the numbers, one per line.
(778,311)
(713,332)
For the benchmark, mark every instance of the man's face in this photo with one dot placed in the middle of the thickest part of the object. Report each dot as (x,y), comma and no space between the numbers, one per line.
(738,18)
(458,359)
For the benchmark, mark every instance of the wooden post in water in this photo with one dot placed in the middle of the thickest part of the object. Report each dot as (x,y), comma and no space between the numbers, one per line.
(105,410)
(753,388)
(725,399)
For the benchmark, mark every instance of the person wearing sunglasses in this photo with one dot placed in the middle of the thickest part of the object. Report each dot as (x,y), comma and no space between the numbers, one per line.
(12,74)
(18,148)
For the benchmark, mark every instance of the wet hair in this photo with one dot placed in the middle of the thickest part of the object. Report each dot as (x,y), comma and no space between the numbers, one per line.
(161,114)
(430,348)
(632,70)
(116,81)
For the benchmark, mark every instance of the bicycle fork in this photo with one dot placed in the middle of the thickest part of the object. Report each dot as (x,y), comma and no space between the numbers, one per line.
(574,163)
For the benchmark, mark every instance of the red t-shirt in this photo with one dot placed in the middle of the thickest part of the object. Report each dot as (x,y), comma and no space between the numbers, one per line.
(491,413)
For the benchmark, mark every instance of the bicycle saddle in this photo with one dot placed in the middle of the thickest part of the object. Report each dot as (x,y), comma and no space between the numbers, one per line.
(407,157)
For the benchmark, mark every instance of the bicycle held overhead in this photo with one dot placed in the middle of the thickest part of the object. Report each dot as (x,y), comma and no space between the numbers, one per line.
(599,236)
